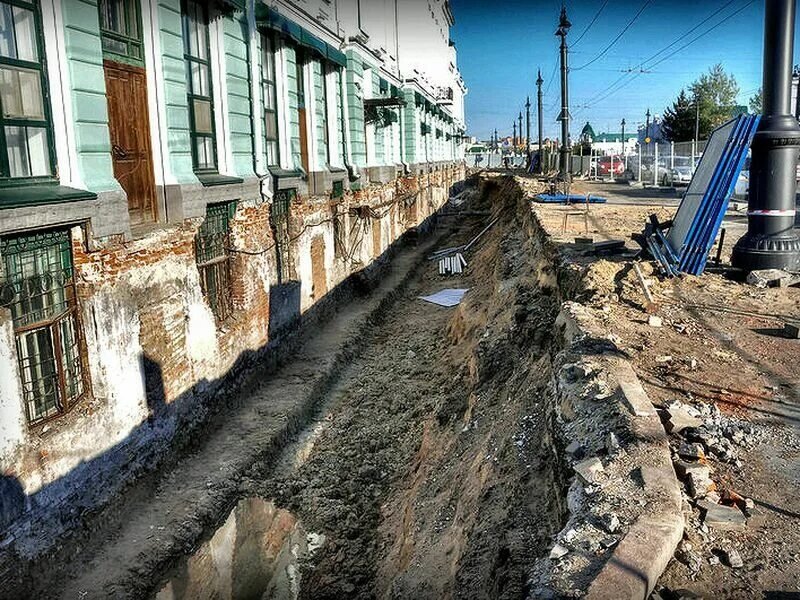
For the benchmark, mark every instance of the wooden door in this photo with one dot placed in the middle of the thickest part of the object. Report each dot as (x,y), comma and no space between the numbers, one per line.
(129,126)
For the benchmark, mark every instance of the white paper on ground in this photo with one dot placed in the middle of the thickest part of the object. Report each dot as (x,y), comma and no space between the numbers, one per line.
(447,297)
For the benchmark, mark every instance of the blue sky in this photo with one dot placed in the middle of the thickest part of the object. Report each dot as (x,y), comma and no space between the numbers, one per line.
(501,44)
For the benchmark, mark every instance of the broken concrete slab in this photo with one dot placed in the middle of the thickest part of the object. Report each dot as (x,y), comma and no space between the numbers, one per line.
(724,518)
(558,551)
(772,278)
(691,451)
(678,419)
(732,557)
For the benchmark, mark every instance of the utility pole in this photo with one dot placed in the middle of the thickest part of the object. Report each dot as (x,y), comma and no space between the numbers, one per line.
(563,29)
(520,128)
(770,241)
(647,132)
(696,119)
(623,137)
(539,82)
(496,141)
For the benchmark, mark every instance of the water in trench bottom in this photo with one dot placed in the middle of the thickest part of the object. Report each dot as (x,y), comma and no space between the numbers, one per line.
(256,553)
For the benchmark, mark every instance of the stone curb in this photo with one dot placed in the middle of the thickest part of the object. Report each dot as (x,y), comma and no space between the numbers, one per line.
(639,559)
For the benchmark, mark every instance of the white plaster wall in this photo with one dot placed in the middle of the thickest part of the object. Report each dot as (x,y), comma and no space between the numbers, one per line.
(12,412)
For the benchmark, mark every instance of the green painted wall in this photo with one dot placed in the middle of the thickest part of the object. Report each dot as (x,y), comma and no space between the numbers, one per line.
(410,128)
(238,82)
(319,112)
(179,153)
(355,109)
(295,159)
(88,89)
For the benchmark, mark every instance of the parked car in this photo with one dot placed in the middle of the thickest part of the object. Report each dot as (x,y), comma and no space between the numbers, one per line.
(632,172)
(743,182)
(604,166)
(674,171)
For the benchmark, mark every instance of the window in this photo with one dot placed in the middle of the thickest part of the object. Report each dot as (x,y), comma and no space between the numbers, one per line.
(270,99)
(25,128)
(198,78)
(213,257)
(39,288)
(121,30)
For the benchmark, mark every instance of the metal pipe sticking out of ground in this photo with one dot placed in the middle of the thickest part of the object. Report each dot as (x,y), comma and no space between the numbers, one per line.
(564,116)
(770,241)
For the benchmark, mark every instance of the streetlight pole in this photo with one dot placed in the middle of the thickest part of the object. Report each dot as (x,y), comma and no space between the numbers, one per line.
(539,82)
(514,138)
(528,126)
(520,128)
(647,131)
(563,29)
(770,241)
(623,137)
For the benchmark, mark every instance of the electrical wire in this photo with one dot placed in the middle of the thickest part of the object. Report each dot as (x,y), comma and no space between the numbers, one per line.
(616,39)
(589,26)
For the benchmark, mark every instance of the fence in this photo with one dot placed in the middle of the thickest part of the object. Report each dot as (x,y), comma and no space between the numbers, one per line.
(497,160)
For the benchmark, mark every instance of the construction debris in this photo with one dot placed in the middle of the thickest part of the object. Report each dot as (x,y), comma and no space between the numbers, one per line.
(452,265)
(589,469)
(678,419)
(724,518)
(772,278)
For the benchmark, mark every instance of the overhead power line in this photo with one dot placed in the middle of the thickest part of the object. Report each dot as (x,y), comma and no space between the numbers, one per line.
(616,39)
(589,26)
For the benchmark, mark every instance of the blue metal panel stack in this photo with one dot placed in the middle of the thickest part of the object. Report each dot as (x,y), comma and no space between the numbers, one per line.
(685,248)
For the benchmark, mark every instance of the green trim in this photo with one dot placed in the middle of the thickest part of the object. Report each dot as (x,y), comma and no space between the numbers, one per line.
(214,179)
(36,195)
(133,43)
(269,18)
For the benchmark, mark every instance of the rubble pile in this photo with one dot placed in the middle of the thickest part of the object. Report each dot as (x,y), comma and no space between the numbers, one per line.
(700,437)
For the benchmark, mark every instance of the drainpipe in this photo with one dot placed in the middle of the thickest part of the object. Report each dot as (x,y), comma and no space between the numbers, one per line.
(770,241)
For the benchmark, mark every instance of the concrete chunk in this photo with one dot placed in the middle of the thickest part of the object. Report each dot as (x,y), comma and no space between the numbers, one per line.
(680,419)
(724,518)
(589,469)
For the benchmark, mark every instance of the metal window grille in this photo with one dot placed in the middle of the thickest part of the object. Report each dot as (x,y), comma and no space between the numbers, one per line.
(39,289)
(213,258)
(279,215)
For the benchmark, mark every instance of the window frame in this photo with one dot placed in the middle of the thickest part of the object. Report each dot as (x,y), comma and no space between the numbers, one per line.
(50,317)
(131,6)
(269,51)
(191,96)
(222,303)
(6,180)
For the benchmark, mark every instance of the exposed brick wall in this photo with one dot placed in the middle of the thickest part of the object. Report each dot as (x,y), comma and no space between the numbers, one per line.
(153,345)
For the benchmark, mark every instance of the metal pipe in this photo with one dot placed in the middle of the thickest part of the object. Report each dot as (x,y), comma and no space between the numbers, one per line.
(770,241)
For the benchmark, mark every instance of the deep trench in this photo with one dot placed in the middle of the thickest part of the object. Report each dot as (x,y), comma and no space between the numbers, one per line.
(426,469)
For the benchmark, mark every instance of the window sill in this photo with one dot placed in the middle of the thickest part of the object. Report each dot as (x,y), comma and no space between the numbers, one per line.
(36,195)
(212,179)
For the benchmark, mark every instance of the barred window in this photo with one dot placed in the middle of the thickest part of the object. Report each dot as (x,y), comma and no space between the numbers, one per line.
(270,99)
(39,289)
(26,138)
(279,215)
(213,257)
(196,53)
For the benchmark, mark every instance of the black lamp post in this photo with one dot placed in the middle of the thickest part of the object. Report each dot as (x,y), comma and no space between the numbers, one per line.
(770,241)
(539,82)
(563,29)
(623,137)
(647,132)
(514,138)
(527,125)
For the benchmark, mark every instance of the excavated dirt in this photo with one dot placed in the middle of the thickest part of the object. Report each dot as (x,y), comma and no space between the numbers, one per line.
(425,470)
(433,476)
(721,351)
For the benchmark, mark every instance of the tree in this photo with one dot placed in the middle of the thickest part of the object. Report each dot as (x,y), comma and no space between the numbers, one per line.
(756,102)
(678,122)
(716,93)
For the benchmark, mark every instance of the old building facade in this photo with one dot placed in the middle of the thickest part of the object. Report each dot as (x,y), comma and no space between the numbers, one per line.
(181,180)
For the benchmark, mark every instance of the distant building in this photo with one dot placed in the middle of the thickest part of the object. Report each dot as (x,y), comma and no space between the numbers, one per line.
(611,143)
